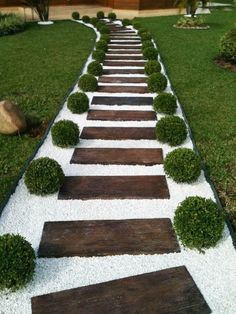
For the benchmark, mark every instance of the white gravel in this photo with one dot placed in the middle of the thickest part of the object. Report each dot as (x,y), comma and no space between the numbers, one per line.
(214,272)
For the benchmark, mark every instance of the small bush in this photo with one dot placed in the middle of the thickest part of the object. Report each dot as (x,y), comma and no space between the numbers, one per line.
(99,55)
(165,103)
(102,45)
(198,223)
(94,21)
(95,68)
(112,16)
(157,82)
(142,30)
(44,176)
(88,83)
(150,53)
(228,46)
(11,24)
(17,262)
(137,25)
(145,36)
(171,130)
(78,103)
(197,21)
(147,44)
(152,66)
(100,24)
(106,38)
(104,30)
(86,19)
(183,165)
(75,15)
(65,133)
(100,15)
(126,22)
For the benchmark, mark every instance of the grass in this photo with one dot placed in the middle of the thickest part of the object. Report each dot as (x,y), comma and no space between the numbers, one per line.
(206,92)
(37,68)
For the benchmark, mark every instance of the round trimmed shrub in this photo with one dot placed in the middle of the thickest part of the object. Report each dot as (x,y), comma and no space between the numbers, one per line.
(75,15)
(95,68)
(142,30)
(152,66)
(165,103)
(157,82)
(102,45)
(150,53)
(100,24)
(65,133)
(17,262)
(104,30)
(86,19)
(106,38)
(228,46)
(145,36)
(198,222)
(183,165)
(147,44)
(100,15)
(88,83)
(99,55)
(78,103)
(171,130)
(136,25)
(44,176)
(126,22)
(112,16)
(94,20)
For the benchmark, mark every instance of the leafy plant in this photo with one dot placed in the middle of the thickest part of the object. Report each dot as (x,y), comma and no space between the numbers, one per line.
(102,45)
(165,103)
(41,8)
(75,15)
(198,222)
(78,103)
(112,16)
(147,44)
(95,68)
(99,55)
(171,130)
(100,15)
(137,25)
(183,165)
(150,53)
(157,82)
(44,176)
(186,22)
(106,38)
(104,30)
(17,262)
(94,20)
(190,5)
(142,30)
(126,22)
(10,24)
(86,19)
(145,36)
(152,66)
(65,133)
(228,46)
(88,83)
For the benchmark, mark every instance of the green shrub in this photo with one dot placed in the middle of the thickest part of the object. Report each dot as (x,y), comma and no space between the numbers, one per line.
(75,15)
(65,133)
(99,55)
(147,44)
(88,83)
(86,19)
(94,21)
(137,25)
(11,24)
(145,36)
(44,176)
(17,262)
(165,103)
(102,45)
(171,130)
(126,22)
(104,30)
(228,46)
(183,165)
(106,38)
(157,82)
(95,68)
(78,103)
(142,30)
(150,53)
(152,66)
(112,16)
(198,223)
(100,15)
(100,24)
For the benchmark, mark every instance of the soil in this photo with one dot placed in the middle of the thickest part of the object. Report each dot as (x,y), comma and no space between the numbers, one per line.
(225,65)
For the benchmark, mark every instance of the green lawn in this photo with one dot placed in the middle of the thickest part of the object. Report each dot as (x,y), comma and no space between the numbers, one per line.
(207,93)
(37,68)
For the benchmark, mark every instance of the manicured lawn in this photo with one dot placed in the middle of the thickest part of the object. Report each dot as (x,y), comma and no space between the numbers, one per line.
(37,68)
(207,93)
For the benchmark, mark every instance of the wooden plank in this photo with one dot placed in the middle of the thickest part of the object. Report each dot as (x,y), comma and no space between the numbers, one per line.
(166,291)
(118,133)
(114,187)
(118,156)
(123,57)
(125,42)
(119,101)
(107,237)
(122,89)
(124,47)
(121,115)
(124,63)
(124,52)
(122,71)
(120,79)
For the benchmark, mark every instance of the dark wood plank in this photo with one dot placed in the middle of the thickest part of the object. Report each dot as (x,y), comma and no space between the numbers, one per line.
(122,89)
(118,156)
(120,79)
(118,133)
(121,115)
(129,101)
(122,57)
(119,32)
(124,52)
(108,237)
(167,291)
(125,37)
(125,42)
(124,63)
(122,71)
(114,187)
(124,47)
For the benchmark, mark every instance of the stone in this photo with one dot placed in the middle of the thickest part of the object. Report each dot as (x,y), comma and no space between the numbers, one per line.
(12,120)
